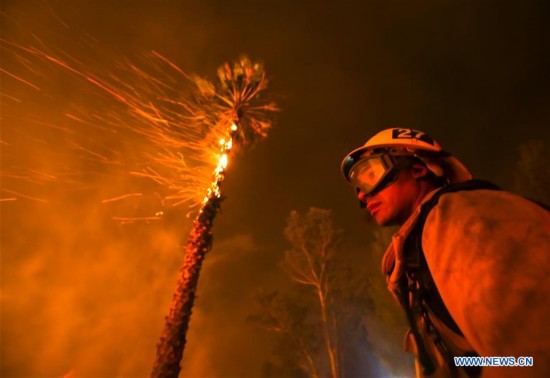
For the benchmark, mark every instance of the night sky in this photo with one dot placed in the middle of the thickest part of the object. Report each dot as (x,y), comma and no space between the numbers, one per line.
(472,74)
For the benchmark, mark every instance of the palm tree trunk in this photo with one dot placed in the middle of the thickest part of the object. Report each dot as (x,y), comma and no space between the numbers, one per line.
(172,342)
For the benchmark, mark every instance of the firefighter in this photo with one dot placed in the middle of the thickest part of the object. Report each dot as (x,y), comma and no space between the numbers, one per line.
(470,263)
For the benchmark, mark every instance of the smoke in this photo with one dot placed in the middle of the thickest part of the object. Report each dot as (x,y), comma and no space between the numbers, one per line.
(81,292)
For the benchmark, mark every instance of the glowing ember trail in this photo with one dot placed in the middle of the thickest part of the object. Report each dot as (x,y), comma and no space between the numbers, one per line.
(235,107)
(174,134)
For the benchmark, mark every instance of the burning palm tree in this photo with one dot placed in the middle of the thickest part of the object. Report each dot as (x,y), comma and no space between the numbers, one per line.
(187,143)
(235,112)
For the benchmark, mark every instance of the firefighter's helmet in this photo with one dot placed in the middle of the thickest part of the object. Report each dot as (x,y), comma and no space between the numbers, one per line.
(371,164)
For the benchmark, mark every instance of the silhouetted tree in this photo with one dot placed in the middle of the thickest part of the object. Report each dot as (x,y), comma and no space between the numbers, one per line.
(313,239)
(319,320)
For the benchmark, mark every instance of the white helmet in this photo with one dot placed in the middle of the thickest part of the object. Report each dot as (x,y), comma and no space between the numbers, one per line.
(400,142)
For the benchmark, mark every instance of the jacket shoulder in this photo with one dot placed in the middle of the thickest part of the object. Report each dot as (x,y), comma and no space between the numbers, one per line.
(487,251)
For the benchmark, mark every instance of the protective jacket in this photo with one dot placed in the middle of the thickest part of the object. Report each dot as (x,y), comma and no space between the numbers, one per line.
(471,268)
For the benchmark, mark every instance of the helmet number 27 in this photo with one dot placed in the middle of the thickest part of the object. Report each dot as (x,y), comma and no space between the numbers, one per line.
(410,134)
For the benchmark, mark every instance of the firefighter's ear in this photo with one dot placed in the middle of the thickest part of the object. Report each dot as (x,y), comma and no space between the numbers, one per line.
(419,171)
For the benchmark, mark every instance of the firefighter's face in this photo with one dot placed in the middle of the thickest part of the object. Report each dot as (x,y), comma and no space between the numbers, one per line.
(395,203)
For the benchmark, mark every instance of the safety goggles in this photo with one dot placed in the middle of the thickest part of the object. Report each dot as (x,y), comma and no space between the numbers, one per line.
(375,172)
